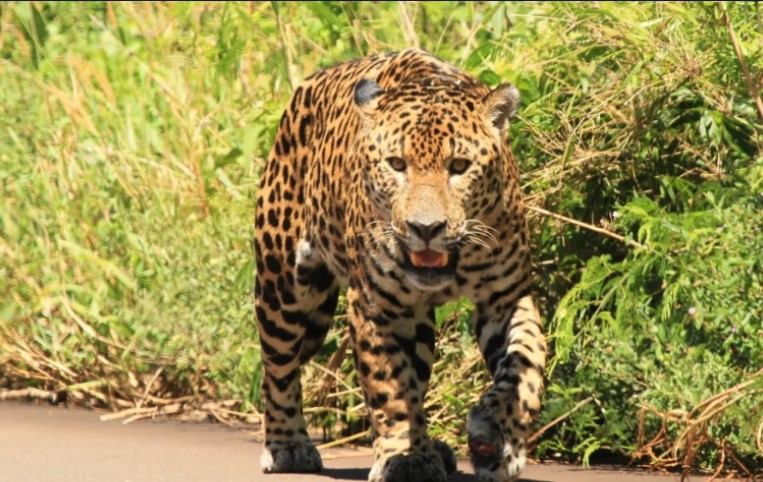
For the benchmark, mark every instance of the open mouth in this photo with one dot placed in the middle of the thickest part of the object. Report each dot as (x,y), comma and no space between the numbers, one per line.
(428,258)
(430,266)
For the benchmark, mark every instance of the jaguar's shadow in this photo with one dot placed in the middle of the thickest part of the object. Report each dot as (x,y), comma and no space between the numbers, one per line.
(345,474)
(362,475)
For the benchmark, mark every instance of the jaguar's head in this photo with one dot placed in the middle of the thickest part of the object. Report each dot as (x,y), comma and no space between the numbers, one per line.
(434,157)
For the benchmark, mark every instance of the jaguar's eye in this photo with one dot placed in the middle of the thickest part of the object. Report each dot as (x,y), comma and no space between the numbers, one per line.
(459,166)
(397,164)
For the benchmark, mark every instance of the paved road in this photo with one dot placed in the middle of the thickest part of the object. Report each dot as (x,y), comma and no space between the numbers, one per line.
(51,444)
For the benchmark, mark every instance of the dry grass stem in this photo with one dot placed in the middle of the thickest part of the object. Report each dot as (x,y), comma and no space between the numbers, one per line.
(752,83)
(538,433)
(587,226)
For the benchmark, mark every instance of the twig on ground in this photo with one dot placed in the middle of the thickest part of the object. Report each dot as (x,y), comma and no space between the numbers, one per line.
(342,441)
(221,411)
(33,393)
(356,452)
(148,385)
(681,450)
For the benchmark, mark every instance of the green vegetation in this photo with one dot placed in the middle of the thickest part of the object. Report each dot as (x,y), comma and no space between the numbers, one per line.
(132,136)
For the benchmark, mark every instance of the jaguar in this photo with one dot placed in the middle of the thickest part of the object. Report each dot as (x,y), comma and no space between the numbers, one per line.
(392,176)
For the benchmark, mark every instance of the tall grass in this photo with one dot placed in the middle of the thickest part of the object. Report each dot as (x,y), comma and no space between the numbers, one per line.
(132,136)
(128,138)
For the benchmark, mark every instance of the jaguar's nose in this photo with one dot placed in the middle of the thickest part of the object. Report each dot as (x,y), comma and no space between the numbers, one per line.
(426,232)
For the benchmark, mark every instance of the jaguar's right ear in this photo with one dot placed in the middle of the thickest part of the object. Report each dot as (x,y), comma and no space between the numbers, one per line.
(366,95)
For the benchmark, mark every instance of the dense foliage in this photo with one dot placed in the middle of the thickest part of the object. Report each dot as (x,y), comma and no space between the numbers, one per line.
(131,140)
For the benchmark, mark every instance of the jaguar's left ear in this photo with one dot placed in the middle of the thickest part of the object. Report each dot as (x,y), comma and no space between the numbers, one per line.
(500,105)
(366,95)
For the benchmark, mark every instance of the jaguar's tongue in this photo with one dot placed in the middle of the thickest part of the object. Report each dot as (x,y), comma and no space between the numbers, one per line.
(428,258)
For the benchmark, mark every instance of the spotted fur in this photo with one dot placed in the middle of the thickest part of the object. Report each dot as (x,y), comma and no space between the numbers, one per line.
(392,175)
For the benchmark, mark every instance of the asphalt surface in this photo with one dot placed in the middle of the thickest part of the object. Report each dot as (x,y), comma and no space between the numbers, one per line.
(40,443)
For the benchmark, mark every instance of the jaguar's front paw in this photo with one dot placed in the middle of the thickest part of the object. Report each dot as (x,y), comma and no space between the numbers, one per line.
(290,457)
(496,455)
(447,455)
(417,467)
